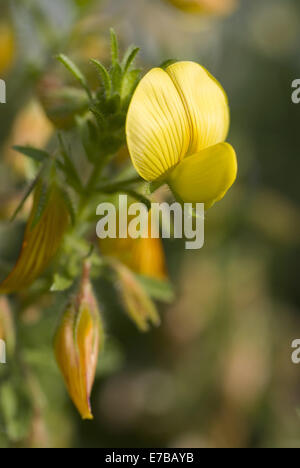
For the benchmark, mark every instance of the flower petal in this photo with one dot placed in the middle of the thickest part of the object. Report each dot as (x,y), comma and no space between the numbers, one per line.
(40,244)
(206,176)
(157,127)
(205,103)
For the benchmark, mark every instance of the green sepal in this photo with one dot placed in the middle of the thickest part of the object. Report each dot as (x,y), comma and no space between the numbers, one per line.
(33,153)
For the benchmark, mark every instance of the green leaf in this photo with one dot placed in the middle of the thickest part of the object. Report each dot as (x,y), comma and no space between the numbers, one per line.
(33,153)
(139,197)
(69,204)
(104,75)
(78,75)
(129,83)
(26,195)
(89,138)
(117,77)
(114,47)
(158,289)
(69,167)
(42,203)
(60,283)
(129,57)
(155,185)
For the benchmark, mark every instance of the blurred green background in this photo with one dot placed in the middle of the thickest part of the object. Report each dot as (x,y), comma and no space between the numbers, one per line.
(218,372)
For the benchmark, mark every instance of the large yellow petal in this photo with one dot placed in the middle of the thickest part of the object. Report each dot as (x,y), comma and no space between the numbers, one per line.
(157,126)
(205,103)
(206,176)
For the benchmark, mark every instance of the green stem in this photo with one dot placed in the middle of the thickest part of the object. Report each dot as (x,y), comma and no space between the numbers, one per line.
(115,187)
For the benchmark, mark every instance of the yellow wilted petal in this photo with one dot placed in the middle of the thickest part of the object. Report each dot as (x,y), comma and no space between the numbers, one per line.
(76,347)
(205,177)
(136,301)
(205,103)
(41,242)
(157,127)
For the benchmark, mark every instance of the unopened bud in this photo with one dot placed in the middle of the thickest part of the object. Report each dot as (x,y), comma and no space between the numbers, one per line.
(76,345)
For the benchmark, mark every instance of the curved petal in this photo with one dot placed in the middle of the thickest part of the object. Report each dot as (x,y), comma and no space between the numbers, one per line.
(205,103)
(40,244)
(157,127)
(205,177)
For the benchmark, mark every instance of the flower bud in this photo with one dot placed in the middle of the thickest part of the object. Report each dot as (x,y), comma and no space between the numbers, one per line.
(41,240)
(76,345)
(61,104)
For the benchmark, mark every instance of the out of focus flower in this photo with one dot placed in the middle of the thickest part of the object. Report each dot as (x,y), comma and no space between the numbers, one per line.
(144,256)
(275,35)
(218,7)
(7,329)
(31,128)
(61,104)
(76,345)
(136,301)
(41,240)
(176,126)
(7,47)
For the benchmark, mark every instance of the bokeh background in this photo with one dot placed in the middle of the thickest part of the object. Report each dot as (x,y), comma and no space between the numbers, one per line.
(218,371)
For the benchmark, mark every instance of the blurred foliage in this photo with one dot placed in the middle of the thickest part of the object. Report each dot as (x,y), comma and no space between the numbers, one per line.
(218,371)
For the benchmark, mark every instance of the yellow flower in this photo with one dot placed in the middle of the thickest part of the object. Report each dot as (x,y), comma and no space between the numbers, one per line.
(41,241)
(7,47)
(76,346)
(205,6)
(176,127)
